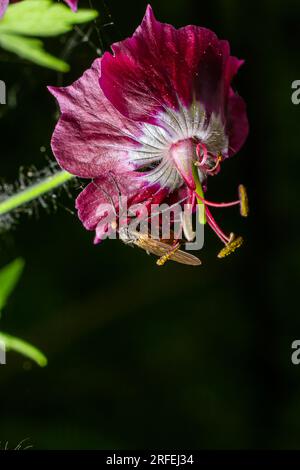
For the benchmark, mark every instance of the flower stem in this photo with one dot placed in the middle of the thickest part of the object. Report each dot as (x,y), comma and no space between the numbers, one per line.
(199,191)
(34,191)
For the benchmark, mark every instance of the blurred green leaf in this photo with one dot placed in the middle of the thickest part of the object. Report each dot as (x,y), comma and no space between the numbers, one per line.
(38,18)
(42,18)
(15,344)
(33,50)
(9,277)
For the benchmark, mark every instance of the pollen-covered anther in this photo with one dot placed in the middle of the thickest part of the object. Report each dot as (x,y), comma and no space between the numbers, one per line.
(244,203)
(233,244)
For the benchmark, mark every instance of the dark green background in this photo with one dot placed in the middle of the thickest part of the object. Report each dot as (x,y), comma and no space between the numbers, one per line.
(173,357)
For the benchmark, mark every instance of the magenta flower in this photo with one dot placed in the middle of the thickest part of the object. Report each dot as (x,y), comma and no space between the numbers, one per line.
(73,4)
(4,4)
(157,117)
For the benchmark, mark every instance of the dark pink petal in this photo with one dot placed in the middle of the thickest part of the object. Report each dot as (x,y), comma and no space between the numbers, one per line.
(160,65)
(101,200)
(233,66)
(73,4)
(3,6)
(237,123)
(91,137)
(237,126)
(93,140)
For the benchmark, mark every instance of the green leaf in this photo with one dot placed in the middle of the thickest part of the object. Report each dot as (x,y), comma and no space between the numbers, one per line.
(42,18)
(9,277)
(26,349)
(29,18)
(32,49)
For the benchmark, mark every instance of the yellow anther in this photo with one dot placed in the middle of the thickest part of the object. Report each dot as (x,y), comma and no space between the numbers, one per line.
(233,244)
(244,204)
(163,259)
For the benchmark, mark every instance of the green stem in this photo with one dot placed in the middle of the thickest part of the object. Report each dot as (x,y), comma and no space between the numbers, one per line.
(24,348)
(199,190)
(34,191)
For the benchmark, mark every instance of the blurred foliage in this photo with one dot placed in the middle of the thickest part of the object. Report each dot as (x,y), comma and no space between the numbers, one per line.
(9,277)
(38,18)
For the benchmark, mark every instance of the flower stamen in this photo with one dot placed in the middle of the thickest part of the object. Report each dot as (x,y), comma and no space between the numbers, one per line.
(213,224)
(233,244)
(218,204)
(244,203)
(216,167)
(206,159)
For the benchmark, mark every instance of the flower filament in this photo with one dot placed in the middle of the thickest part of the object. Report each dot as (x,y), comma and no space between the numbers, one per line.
(210,164)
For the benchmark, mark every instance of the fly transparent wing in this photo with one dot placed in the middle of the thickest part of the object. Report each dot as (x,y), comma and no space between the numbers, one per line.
(159,248)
